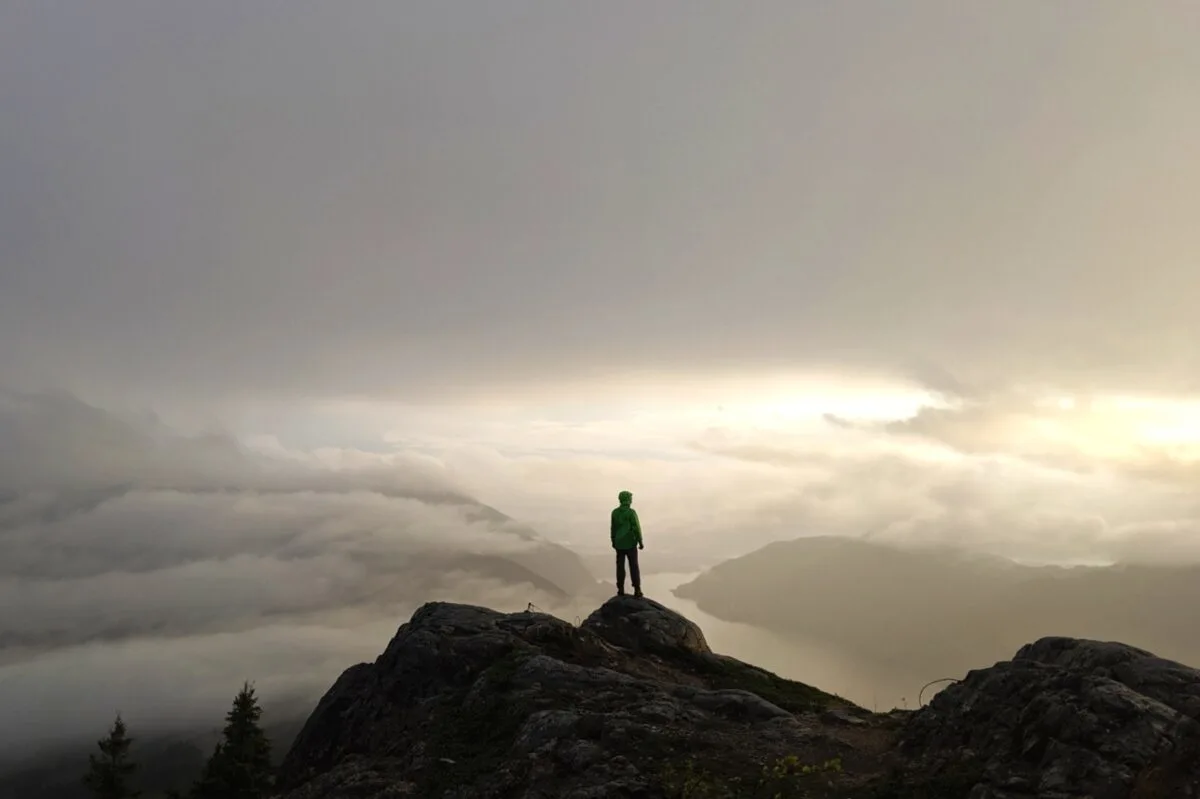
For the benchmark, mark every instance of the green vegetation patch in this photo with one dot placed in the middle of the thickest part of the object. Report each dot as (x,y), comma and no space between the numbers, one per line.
(794,697)
(951,783)
(784,778)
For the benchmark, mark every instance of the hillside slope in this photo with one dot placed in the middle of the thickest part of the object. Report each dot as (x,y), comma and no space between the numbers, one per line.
(940,611)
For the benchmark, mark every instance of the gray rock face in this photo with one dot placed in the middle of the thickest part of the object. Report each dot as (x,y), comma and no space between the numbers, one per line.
(645,625)
(467,703)
(1067,718)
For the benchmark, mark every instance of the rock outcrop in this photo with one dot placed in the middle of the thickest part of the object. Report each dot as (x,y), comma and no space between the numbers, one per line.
(1067,718)
(645,625)
(467,702)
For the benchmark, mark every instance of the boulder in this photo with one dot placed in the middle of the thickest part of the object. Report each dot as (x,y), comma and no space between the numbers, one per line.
(646,626)
(1064,718)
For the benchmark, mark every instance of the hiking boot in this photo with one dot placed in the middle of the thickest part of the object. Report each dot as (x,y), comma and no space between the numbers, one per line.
(637,592)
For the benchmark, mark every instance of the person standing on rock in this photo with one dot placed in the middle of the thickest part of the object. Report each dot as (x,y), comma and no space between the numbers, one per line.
(626,533)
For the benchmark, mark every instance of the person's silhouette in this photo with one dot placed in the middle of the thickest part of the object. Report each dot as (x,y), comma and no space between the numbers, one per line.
(626,534)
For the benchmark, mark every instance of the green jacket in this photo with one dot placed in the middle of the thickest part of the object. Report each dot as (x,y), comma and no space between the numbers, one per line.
(626,530)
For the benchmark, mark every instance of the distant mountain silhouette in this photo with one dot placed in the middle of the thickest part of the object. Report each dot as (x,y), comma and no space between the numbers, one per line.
(943,610)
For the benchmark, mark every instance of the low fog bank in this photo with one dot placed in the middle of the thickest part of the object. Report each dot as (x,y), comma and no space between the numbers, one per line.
(182,685)
(151,573)
(938,611)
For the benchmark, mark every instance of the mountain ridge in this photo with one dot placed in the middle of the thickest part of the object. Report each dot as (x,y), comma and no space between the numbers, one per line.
(468,702)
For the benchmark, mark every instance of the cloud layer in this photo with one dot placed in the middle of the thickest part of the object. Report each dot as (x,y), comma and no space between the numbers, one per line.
(121,536)
(132,557)
(1020,479)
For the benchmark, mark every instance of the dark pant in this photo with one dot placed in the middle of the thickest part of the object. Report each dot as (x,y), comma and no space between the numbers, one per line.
(634,573)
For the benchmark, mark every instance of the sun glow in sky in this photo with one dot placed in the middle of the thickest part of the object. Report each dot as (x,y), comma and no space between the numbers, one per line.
(1124,426)
(1039,474)
(658,415)
(807,401)
(1163,422)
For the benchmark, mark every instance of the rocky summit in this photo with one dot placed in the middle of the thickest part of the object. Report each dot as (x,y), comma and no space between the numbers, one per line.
(468,702)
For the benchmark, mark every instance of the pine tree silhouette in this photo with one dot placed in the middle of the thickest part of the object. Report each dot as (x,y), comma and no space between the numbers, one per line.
(110,775)
(240,765)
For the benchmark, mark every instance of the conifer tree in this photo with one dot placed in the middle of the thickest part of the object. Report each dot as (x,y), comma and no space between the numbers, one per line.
(240,766)
(110,776)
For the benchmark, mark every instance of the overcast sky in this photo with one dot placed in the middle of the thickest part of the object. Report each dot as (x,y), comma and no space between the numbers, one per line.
(285,197)
(926,271)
